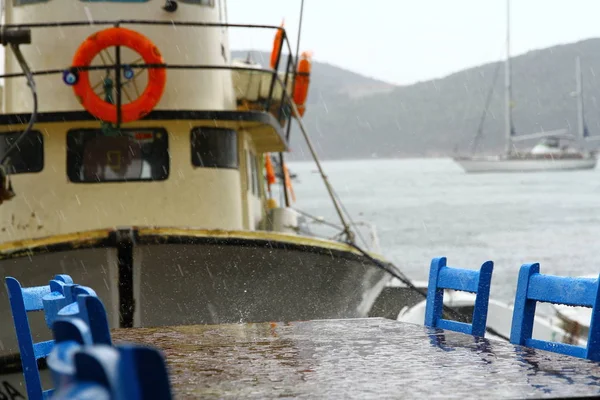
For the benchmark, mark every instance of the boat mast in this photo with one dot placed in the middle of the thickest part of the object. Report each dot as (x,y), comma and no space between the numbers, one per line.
(508,128)
(581,133)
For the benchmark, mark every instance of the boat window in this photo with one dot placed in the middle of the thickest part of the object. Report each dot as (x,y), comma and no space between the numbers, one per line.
(28,156)
(249,171)
(128,155)
(113,1)
(255,184)
(26,2)
(252,173)
(210,3)
(214,148)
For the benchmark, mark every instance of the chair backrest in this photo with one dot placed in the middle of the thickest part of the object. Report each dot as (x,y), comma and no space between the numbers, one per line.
(61,295)
(533,287)
(80,368)
(84,304)
(443,277)
(22,301)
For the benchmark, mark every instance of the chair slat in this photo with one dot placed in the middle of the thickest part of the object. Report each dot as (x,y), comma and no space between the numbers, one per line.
(561,348)
(465,280)
(563,290)
(42,349)
(456,326)
(32,297)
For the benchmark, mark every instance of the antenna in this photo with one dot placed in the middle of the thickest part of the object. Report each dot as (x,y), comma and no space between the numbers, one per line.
(299,30)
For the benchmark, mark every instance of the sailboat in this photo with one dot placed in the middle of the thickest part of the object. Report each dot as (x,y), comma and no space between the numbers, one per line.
(549,154)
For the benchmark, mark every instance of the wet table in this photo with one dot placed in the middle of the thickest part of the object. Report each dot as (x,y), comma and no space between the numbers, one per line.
(358,358)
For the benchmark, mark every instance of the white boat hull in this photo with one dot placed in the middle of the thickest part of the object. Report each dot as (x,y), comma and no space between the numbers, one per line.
(525,165)
(499,319)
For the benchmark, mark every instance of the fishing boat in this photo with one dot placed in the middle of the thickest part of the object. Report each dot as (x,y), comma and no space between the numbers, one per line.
(557,151)
(136,158)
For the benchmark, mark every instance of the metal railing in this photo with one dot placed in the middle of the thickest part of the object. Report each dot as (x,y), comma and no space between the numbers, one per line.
(283,109)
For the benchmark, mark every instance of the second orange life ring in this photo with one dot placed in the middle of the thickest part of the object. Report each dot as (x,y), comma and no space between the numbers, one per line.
(302,82)
(157,77)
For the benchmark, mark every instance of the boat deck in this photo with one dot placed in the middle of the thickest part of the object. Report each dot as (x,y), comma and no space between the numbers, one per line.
(358,358)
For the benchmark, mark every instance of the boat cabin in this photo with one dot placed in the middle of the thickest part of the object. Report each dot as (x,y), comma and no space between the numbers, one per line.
(196,159)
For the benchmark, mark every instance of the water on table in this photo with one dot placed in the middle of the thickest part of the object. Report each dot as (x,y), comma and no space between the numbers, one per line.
(360,358)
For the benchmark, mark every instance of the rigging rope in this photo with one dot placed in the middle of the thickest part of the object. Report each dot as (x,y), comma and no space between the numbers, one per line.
(488,100)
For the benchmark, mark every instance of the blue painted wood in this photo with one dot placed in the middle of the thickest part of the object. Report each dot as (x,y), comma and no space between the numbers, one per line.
(42,349)
(563,290)
(90,309)
(62,295)
(443,277)
(466,280)
(59,294)
(562,348)
(126,372)
(435,295)
(533,287)
(24,300)
(455,326)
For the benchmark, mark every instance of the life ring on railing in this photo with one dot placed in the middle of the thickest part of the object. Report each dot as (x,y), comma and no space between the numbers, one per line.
(276,46)
(97,106)
(302,82)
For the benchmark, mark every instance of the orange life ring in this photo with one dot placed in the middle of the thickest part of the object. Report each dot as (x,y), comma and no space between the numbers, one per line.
(302,82)
(157,77)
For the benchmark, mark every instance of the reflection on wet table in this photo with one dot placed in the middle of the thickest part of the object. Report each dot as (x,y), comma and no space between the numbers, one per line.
(358,358)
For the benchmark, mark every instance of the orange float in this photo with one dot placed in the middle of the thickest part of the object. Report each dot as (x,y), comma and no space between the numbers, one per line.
(270,170)
(157,77)
(302,82)
(276,46)
(288,182)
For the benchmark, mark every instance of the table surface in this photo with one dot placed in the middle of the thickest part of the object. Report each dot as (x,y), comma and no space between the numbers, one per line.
(357,358)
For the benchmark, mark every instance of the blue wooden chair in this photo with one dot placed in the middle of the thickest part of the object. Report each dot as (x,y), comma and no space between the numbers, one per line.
(442,277)
(533,287)
(90,370)
(59,293)
(22,301)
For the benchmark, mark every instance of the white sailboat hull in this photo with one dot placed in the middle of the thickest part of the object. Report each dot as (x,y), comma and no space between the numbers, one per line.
(499,319)
(525,165)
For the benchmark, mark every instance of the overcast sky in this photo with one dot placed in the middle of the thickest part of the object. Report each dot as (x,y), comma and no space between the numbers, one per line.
(403,41)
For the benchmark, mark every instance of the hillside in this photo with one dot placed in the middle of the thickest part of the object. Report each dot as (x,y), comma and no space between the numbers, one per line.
(327,81)
(352,116)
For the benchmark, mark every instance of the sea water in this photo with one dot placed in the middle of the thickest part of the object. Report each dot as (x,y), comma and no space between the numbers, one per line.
(425,208)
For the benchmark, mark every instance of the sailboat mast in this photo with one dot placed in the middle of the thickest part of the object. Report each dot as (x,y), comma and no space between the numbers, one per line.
(579,78)
(508,88)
